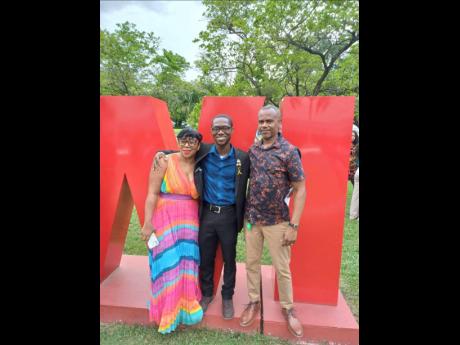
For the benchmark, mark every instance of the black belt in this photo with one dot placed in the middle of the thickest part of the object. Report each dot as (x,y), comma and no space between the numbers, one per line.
(216,208)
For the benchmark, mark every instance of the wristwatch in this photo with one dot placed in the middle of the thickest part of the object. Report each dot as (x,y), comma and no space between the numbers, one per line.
(294,226)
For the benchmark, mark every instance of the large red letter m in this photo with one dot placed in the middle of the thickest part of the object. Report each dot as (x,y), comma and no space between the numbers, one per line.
(132,130)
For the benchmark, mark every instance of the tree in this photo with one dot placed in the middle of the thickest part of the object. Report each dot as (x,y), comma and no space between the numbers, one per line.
(343,78)
(194,116)
(130,64)
(127,60)
(324,29)
(277,48)
(180,95)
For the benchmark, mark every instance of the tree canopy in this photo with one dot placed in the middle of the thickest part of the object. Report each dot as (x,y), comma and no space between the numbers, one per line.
(278,48)
(266,48)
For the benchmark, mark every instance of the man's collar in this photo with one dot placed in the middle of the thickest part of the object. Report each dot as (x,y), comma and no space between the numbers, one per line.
(276,144)
(214,150)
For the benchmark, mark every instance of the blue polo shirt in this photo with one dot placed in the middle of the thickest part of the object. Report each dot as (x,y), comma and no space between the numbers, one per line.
(219,178)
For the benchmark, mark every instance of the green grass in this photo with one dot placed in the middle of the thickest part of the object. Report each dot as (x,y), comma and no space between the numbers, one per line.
(349,272)
(118,334)
(134,246)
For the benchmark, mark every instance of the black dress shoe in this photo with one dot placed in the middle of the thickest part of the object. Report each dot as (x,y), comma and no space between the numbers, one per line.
(205,301)
(227,309)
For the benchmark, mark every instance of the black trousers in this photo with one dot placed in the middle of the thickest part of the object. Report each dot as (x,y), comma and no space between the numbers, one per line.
(216,228)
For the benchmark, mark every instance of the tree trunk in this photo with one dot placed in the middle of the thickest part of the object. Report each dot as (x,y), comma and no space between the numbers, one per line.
(297,92)
(319,83)
(125,87)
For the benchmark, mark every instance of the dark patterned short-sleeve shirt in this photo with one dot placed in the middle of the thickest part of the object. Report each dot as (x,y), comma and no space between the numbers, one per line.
(272,171)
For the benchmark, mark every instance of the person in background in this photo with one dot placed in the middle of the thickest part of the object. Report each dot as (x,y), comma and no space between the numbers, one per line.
(354,204)
(356,125)
(353,157)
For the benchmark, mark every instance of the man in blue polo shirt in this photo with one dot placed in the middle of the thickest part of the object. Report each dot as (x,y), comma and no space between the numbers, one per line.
(221,175)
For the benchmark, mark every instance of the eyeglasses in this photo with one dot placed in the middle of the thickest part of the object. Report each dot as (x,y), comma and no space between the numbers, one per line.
(225,129)
(189,141)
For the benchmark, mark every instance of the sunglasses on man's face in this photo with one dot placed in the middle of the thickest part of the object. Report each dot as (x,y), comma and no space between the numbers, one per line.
(188,141)
(216,129)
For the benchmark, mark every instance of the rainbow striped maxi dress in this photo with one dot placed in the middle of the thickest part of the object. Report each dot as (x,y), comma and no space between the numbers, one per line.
(175,290)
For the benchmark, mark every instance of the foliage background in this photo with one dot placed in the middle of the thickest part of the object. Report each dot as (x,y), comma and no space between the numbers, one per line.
(249,48)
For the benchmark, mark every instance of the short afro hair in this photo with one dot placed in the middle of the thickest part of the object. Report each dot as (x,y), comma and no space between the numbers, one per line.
(225,116)
(189,133)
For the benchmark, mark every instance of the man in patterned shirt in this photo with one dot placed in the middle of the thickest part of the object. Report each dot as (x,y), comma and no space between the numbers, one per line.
(275,169)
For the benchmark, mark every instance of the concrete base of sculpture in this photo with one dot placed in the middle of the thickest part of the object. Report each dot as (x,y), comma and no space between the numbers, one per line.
(124,295)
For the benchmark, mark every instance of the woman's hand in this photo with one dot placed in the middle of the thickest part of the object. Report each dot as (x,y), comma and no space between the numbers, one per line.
(146,231)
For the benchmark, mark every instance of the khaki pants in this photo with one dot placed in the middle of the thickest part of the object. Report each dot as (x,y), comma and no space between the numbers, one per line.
(281,257)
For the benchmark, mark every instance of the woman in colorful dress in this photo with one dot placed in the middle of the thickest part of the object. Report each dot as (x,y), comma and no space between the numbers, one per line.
(171,212)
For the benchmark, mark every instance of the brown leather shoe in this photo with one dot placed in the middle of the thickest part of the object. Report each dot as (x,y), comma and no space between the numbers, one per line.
(249,314)
(294,325)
